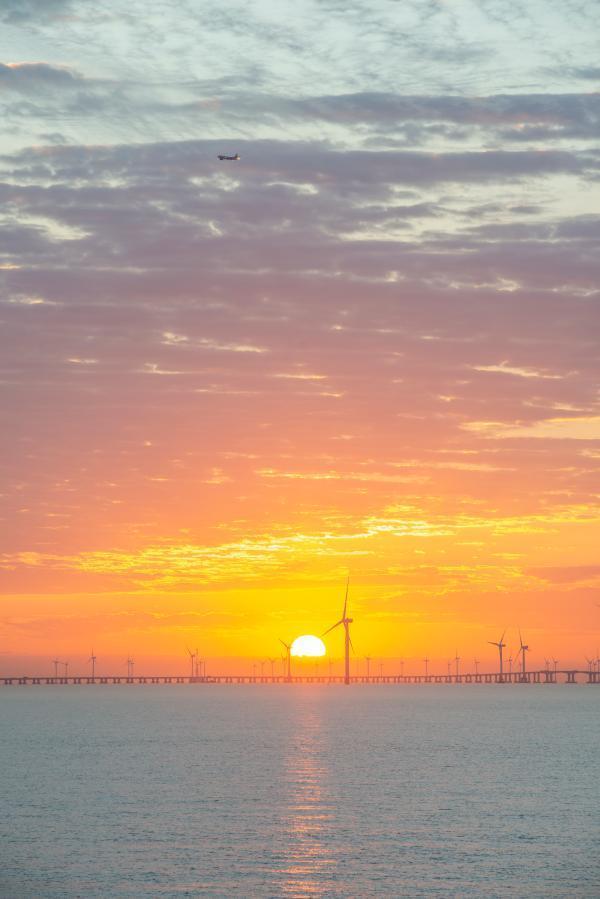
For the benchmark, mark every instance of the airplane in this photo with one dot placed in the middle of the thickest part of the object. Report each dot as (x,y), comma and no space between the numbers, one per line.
(230,158)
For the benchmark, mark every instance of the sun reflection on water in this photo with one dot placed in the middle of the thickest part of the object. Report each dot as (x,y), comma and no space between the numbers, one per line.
(309,867)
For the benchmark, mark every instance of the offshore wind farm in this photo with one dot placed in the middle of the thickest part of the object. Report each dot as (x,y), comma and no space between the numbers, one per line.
(300,444)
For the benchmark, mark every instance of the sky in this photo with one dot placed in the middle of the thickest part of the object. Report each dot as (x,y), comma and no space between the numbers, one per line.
(368,348)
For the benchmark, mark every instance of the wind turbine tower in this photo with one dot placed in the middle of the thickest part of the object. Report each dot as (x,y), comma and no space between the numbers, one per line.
(523,650)
(92,659)
(192,656)
(501,645)
(288,660)
(346,622)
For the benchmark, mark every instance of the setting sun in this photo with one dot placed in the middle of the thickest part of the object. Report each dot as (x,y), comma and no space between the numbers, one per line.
(308,646)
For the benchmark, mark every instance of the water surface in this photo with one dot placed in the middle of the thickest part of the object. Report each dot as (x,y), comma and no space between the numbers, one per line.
(222,791)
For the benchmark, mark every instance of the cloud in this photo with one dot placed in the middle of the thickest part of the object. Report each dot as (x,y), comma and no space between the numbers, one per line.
(30,77)
(566,574)
(414,268)
(17,12)
(572,428)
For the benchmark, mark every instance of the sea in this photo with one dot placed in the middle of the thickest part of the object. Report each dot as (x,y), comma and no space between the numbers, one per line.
(299,791)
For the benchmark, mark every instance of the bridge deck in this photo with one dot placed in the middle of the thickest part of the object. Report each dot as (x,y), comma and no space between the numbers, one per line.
(568,676)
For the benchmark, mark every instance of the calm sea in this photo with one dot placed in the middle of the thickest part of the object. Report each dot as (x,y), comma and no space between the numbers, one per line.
(152,791)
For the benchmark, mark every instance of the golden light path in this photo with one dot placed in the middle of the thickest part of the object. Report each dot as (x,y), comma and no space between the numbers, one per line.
(308,645)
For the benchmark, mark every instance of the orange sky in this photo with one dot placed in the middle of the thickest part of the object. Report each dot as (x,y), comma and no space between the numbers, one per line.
(370,347)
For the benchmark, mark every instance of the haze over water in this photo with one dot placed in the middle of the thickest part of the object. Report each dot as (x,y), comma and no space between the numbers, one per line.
(300,791)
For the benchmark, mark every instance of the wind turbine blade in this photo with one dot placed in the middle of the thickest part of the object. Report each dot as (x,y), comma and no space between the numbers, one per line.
(351,644)
(333,627)
(346,596)
(491,642)
(520,639)
(287,646)
(503,635)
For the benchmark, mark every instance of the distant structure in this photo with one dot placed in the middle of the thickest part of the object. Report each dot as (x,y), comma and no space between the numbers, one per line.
(288,659)
(522,652)
(346,622)
(501,645)
(192,656)
(92,659)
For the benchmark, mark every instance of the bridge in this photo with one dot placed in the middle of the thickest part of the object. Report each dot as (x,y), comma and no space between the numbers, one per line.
(544,676)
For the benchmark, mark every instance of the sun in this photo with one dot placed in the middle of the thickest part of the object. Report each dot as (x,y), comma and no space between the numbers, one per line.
(308,646)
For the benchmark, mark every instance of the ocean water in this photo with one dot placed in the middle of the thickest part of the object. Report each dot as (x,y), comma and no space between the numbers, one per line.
(269,791)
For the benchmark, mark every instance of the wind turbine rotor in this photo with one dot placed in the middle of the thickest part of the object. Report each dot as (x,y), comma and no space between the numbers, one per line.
(333,626)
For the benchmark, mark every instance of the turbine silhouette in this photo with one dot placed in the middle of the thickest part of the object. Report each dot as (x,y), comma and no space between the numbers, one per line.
(288,659)
(192,656)
(501,645)
(346,622)
(523,649)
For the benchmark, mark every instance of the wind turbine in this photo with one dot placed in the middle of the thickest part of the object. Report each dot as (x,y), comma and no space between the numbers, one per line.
(288,659)
(501,645)
(522,651)
(272,664)
(476,661)
(66,664)
(199,665)
(92,659)
(129,667)
(590,664)
(456,661)
(56,663)
(192,656)
(426,666)
(368,661)
(347,641)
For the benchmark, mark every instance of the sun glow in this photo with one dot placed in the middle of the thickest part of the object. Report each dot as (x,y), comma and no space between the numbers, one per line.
(308,646)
